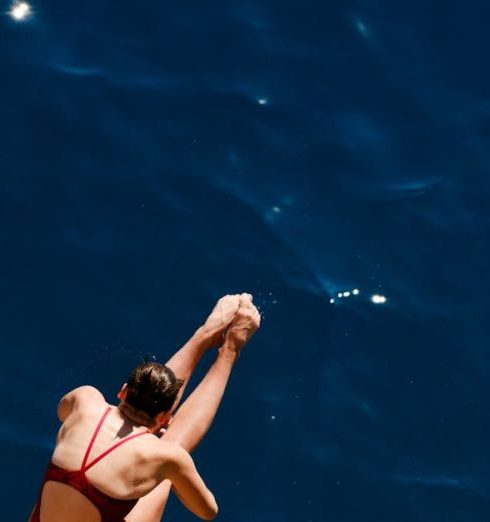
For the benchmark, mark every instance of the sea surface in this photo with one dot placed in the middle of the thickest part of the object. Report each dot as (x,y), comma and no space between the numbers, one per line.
(157,155)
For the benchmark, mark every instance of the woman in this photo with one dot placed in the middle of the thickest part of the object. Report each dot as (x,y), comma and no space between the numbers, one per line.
(109,465)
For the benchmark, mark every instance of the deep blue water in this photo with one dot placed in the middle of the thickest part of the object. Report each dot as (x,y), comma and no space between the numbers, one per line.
(156,156)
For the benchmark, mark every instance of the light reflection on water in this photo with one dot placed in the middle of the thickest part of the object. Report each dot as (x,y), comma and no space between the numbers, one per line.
(332,154)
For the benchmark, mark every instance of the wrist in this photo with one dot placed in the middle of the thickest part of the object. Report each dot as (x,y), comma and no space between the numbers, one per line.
(203,338)
(228,352)
(230,349)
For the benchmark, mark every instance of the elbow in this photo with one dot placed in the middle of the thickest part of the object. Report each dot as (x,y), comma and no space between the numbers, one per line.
(211,511)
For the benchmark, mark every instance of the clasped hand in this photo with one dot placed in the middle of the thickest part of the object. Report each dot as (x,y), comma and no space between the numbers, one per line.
(233,320)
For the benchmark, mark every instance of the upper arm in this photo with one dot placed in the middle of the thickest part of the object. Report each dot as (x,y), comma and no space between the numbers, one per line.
(189,486)
(81,393)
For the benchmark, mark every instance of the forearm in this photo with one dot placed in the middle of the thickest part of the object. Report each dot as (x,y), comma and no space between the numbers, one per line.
(186,359)
(195,416)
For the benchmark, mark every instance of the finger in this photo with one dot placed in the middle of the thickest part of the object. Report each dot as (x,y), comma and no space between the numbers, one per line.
(254,311)
(236,304)
(245,297)
(246,300)
(230,300)
(228,297)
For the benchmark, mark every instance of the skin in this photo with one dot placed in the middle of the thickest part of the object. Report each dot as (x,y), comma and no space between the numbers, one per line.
(148,468)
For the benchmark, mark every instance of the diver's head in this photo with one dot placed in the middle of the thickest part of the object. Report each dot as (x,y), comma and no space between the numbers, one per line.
(149,394)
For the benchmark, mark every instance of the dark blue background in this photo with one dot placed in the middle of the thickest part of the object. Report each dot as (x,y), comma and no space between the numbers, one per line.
(141,179)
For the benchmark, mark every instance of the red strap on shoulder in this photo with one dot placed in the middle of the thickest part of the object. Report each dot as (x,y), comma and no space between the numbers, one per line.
(94,436)
(86,466)
(112,448)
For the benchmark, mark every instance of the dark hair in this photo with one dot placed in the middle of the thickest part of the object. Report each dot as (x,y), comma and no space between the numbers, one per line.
(152,388)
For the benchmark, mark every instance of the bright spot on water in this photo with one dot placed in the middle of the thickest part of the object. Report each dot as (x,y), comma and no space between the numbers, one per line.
(346,294)
(355,291)
(20,11)
(332,300)
(273,417)
(378,299)
(276,209)
(361,27)
(339,294)
(262,101)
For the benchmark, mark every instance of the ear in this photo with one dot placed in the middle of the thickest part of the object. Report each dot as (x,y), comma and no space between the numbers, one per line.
(121,394)
(163,419)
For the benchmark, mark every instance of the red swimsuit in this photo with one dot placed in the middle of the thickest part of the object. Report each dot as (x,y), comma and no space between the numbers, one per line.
(111,509)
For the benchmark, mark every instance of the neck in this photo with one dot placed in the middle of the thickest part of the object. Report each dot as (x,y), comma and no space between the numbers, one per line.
(136,417)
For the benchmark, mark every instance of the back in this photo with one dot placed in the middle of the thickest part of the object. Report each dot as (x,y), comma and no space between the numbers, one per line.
(127,473)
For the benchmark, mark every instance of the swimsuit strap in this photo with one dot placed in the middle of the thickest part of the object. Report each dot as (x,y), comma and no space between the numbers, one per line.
(94,436)
(86,466)
(112,448)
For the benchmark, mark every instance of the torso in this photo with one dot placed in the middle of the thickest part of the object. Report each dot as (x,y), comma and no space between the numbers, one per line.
(129,472)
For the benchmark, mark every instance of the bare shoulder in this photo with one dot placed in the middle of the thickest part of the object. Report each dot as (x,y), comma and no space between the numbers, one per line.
(88,393)
(173,456)
(79,398)
(84,395)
